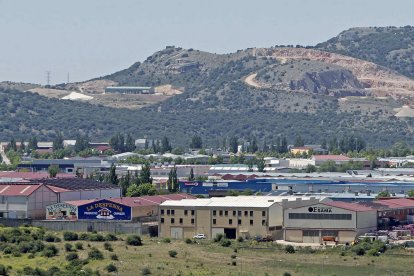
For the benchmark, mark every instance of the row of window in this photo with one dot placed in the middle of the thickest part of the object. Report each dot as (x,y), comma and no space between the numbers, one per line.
(324,233)
(172,212)
(320,216)
(238,213)
(239,221)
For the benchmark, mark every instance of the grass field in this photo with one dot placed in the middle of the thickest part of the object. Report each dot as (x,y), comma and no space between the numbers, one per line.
(209,258)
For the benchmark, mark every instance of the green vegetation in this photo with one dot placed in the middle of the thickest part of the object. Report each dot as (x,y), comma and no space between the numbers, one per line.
(391,47)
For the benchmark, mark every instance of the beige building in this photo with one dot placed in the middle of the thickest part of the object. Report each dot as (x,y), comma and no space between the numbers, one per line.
(242,216)
(335,221)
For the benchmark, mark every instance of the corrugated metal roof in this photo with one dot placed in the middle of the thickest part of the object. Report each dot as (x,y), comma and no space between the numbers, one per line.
(349,206)
(18,189)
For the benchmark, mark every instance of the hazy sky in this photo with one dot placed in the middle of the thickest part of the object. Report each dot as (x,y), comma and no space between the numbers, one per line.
(92,38)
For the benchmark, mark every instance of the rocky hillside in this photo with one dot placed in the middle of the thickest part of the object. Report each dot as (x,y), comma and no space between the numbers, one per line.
(391,47)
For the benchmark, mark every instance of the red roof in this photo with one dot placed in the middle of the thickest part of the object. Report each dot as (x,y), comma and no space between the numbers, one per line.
(136,201)
(397,202)
(103,148)
(8,189)
(149,200)
(34,175)
(349,206)
(331,157)
(57,189)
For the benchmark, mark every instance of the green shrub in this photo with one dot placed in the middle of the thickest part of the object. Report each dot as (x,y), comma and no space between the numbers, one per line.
(8,249)
(286,274)
(25,247)
(96,237)
(84,236)
(134,240)
(167,240)
(95,254)
(72,256)
(240,239)
(49,237)
(359,250)
(188,241)
(50,251)
(233,256)
(225,242)
(108,246)
(114,257)
(233,263)
(289,249)
(70,236)
(172,253)
(111,268)
(68,247)
(110,237)
(79,246)
(3,270)
(146,271)
(218,237)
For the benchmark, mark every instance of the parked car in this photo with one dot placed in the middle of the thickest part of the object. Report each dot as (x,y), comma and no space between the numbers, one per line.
(267,238)
(200,236)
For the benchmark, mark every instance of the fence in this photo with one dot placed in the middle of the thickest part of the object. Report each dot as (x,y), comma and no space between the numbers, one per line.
(89,226)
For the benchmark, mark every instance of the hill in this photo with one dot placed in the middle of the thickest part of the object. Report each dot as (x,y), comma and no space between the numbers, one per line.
(391,47)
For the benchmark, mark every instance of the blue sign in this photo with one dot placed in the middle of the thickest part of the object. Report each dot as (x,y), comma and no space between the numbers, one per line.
(104,210)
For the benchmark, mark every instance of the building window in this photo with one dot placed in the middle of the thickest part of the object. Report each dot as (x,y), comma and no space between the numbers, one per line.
(234,213)
(192,212)
(214,212)
(332,233)
(226,213)
(214,221)
(239,222)
(162,220)
(230,221)
(246,213)
(168,212)
(221,213)
(311,233)
(185,212)
(251,222)
(264,222)
(172,220)
(192,221)
(251,213)
(318,216)
(263,213)
(162,211)
(172,212)
(181,221)
(239,213)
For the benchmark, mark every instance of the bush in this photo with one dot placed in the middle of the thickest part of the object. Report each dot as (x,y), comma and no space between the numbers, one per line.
(134,240)
(25,247)
(146,271)
(70,236)
(72,256)
(233,263)
(96,237)
(111,268)
(287,274)
(79,246)
(3,270)
(289,249)
(108,246)
(111,237)
(84,236)
(233,256)
(50,251)
(114,257)
(225,243)
(218,237)
(172,253)
(95,254)
(68,247)
(51,238)
(188,241)
(240,239)
(360,251)
(167,240)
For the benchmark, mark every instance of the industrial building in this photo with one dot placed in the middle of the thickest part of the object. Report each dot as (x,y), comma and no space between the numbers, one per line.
(242,216)
(129,89)
(338,221)
(120,208)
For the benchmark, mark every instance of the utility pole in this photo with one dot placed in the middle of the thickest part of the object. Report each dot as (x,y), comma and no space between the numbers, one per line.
(47,78)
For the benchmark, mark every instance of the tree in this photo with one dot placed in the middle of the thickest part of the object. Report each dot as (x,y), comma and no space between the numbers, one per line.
(22,146)
(196,142)
(265,146)
(172,181)
(145,174)
(310,168)
(383,194)
(129,143)
(165,144)
(32,143)
(53,171)
(191,177)
(233,144)
(58,142)
(113,178)
(283,148)
(124,183)
(410,193)
(299,141)
(141,190)
(323,144)
(82,143)
(12,145)
(260,164)
(253,145)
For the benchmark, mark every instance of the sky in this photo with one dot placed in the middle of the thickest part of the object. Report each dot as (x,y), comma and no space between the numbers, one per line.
(93,38)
